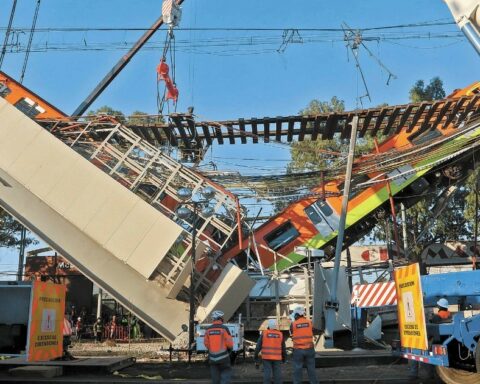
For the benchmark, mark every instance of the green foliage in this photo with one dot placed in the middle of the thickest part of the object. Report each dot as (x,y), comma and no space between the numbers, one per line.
(142,118)
(456,222)
(316,106)
(433,91)
(472,185)
(10,231)
(311,155)
(106,110)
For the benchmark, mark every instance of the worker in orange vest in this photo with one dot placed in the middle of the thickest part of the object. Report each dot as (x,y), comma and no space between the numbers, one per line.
(301,331)
(219,344)
(272,346)
(443,315)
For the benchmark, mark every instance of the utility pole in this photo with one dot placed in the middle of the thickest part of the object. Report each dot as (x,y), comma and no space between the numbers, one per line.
(475,240)
(404,231)
(191,318)
(331,305)
(99,302)
(21,253)
(349,267)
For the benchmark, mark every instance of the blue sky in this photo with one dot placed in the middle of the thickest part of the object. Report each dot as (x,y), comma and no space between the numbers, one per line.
(230,86)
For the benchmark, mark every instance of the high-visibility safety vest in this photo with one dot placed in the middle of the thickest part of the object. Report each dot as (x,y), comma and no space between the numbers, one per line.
(218,341)
(272,344)
(444,314)
(67,327)
(302,333)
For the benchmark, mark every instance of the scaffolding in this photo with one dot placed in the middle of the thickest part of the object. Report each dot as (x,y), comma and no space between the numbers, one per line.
(156,178)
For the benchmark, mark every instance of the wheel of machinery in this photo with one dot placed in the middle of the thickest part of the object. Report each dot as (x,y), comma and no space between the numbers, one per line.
(477,357)
(457,376)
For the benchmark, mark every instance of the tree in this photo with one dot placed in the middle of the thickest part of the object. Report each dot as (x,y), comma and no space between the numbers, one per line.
(106,110)
(308,154)
(10,231)
(139,118)
(457,219)
(316,106)
(433,91)
(456,222)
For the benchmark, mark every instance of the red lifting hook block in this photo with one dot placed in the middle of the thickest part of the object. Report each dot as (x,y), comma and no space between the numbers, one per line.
(172,91)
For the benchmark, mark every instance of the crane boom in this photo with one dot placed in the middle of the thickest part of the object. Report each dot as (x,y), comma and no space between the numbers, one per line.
(124,60)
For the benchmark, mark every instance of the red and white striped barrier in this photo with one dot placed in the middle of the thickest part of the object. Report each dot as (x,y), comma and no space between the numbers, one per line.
(416,358)
(120,333)
(374,295)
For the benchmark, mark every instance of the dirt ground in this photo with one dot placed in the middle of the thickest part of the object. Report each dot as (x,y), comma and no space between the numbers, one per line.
(153,364)
(142,351)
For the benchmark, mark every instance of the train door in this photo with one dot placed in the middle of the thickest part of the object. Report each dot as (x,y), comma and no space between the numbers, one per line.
(324,217)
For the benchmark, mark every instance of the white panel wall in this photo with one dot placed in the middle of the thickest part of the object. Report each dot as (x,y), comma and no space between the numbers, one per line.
(228,292)
(88,217)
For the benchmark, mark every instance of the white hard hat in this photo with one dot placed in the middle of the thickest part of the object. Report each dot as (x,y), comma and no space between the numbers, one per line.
(79,318)
(272,324)
(443,303)
(300,311)
(216,315)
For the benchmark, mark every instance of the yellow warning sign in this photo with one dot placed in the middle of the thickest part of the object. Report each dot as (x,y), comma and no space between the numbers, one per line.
(411,314)
(45,341)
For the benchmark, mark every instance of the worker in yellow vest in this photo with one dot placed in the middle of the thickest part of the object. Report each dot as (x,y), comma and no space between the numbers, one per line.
(271,344)
(301,331)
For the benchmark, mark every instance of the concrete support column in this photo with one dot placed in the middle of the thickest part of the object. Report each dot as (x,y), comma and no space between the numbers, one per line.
(99,303)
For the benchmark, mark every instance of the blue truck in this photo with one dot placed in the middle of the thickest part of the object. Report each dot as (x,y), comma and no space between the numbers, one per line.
(454,346)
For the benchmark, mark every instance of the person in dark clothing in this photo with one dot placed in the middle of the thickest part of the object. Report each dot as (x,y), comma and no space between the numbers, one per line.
(67,334)
(98,330)
(271,344)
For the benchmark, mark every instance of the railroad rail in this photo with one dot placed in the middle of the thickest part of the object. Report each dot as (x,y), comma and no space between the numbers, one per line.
(182,130)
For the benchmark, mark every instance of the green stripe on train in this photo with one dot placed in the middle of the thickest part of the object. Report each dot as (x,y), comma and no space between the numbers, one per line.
(374,201)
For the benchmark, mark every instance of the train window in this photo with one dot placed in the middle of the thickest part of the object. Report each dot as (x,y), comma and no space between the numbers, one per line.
(313,215)
(356,179)
(29,107)
(4,90)
(402,174)
(324,208)
(281,236)
(324,218)
(426,136)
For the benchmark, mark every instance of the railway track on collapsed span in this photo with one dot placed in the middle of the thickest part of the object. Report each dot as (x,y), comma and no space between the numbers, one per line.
(186,131)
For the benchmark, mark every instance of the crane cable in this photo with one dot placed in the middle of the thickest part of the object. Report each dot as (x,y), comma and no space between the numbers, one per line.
(30,39)
(7,33)
(167,48)
(171,14)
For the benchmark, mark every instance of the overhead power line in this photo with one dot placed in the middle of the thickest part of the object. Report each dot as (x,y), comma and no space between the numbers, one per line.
(249,44)
(232,29)
(7,32)
(30,40)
